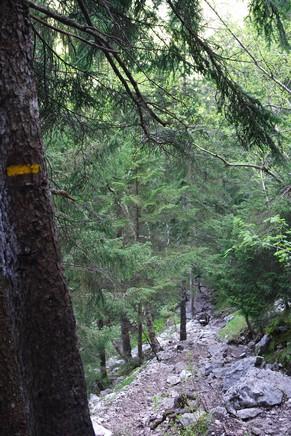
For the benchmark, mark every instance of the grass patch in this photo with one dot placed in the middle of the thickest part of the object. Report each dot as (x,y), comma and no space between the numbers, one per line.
(127,380)
(127,367)
(234,327)
(200,428)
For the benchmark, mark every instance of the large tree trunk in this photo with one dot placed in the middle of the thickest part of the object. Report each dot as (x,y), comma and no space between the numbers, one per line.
(125,338)
(41,375)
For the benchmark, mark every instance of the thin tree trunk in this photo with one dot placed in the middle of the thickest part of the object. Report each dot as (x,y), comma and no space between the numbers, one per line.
(154,343)
(103,369)
(118,348)
(192,294)
(139,334)
(286,304)
(137,237)
(41,377)
(125,338)
(199,284)
(183,318)
(102,355)
(250,327)
(137,212)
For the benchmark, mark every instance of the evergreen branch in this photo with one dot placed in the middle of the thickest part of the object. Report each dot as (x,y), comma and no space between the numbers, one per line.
(71,35)
(74,67)
(262,168)
(254,124)
(257,64)
(110,55)
(117,73)
(91,269)
(139,100)
(93,31)
(268,14)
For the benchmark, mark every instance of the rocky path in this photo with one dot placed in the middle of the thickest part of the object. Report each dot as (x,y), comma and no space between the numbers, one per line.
(203,382)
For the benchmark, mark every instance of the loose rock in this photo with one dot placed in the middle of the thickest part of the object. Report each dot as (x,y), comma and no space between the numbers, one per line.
(188,419)
(173,380)
(100,430)
(258,388)
(237,370)
(245,414)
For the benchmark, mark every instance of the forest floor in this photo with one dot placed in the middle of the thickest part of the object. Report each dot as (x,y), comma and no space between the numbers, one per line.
(184,392)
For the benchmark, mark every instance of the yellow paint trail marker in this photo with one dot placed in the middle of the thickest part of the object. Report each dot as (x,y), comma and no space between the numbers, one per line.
(21,170)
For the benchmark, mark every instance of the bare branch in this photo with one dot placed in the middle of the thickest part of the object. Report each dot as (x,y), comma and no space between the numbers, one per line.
(62,193)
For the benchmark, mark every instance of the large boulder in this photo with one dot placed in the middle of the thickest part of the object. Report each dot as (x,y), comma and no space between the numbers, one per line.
(262,346)
(258,388)
(173,380)
(100,430)
(237,370)
(215,368)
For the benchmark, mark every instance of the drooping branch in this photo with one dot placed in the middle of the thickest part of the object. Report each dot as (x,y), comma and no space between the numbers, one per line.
(93,31)
(255,61)
(118,66)
(70,34)
(254,124)
(139,99)
(261,168)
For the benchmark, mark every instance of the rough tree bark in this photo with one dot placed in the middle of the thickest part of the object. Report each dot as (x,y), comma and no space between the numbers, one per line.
(41,376)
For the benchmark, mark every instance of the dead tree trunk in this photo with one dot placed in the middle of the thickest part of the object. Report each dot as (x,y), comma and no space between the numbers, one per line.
(41,375)
(125,338)
(183,315)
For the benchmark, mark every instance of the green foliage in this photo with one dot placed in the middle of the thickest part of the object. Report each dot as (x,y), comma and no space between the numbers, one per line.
(279,349)
(262,253)
(149,207)
(233,327)
(127,380)
(268,16)
(200,428)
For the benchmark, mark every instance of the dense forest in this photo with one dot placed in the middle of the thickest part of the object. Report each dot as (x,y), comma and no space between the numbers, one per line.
(163,168)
